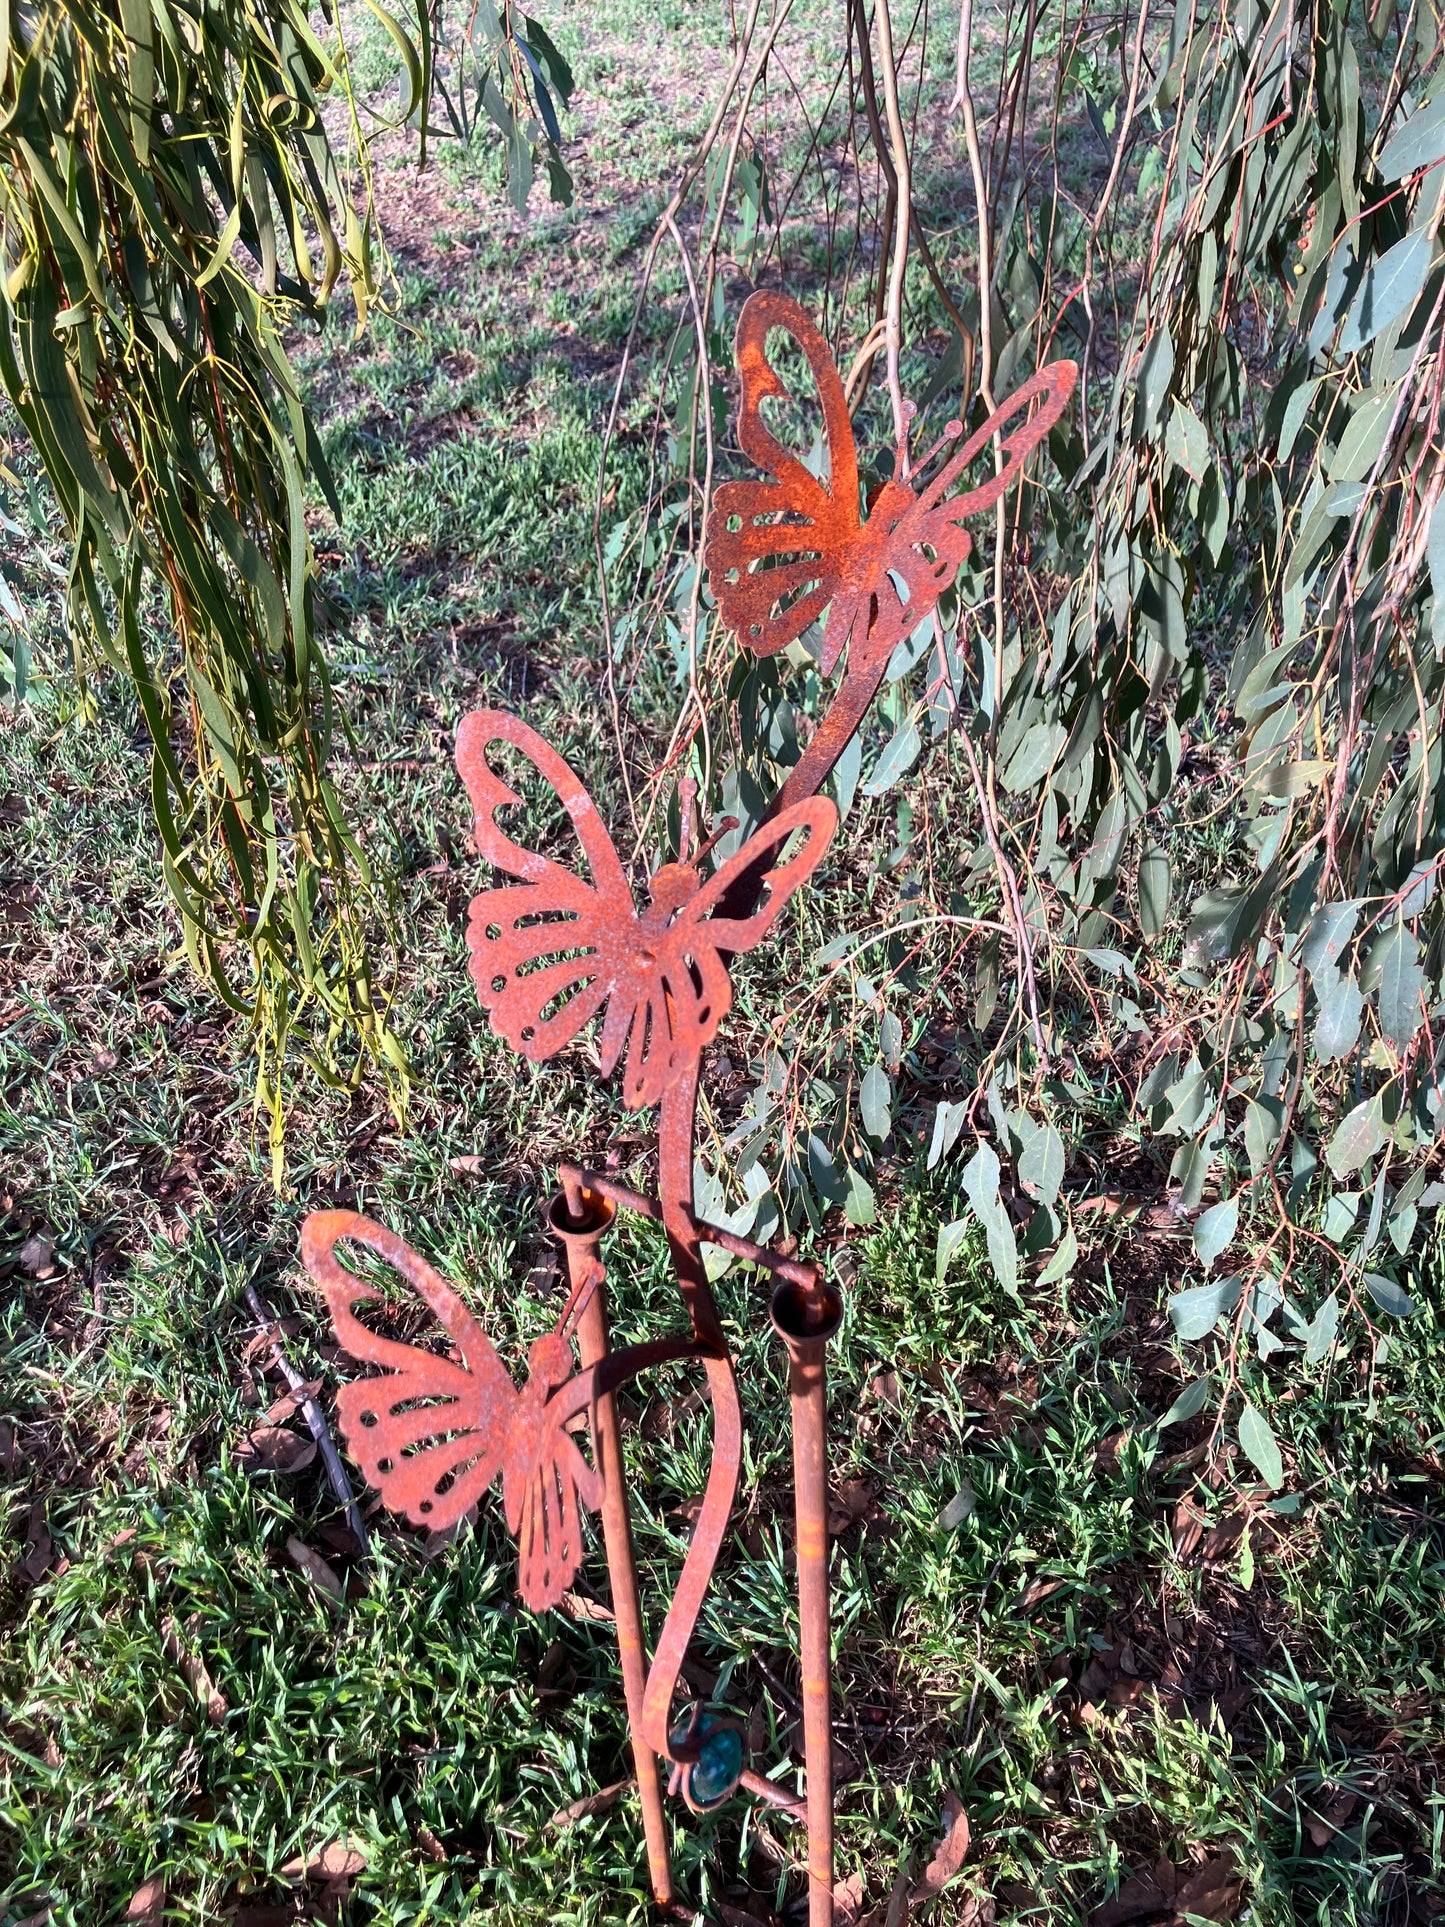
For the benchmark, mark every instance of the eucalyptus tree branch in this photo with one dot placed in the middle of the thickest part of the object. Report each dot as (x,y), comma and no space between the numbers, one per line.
(903,181)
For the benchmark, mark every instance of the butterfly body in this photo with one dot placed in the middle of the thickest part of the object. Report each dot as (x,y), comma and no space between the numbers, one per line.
(782,552)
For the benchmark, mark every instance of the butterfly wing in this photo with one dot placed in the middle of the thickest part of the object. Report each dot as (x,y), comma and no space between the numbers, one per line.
(548,951)
(926,542)
(686,996)
(687,991)
(428,1434)
(793,549)
(1051,387)
(818,815)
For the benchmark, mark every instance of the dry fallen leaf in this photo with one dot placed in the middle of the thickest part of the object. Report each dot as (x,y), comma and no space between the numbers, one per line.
(36,1563)
(1189,1524)
(337,1860)
(578,1606)
(1326,1820)
(104,1060)
(37,1257)
(848,1899)
(950,1853)
(42,1919)
(437,1542)
(316,1569)
(855,1501)
(272,1448)
(602,1801)
(340,1538)
(1106,1452)
(466,1165)
(431,1846)
(1148,1893)
(193,1668)
(1038,1589)
(148,1902)
(269,1337)
(290,1402)
(959,1508)
(896,1914)
(1214,1891)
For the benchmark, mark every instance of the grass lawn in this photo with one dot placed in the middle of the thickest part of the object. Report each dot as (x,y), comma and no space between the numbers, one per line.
(1159,1691)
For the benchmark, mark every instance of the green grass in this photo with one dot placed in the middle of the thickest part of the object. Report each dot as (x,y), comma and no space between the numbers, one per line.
(1097,1700)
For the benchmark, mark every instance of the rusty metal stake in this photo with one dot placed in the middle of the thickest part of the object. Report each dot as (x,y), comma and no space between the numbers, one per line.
(579,1216)
(805,1319)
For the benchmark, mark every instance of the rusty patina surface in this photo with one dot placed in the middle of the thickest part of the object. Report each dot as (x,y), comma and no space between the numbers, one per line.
(783,552)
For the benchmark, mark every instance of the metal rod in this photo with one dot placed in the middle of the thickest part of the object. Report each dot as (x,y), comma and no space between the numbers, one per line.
(580,1221)
(805,1321)
(797,1269)
(315,1420)
(774,1795)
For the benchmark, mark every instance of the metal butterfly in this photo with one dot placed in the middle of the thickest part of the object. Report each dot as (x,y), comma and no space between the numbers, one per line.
(431,1433)
(549,952)
(781,552)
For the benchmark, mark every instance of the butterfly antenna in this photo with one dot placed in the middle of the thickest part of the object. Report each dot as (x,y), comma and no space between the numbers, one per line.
(951,432)
(578,1300)
(728,824)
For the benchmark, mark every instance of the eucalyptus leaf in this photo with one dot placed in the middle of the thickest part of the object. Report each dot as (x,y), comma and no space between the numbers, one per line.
(1357,1137)
(1389,1296)
(1261,1447)
(1214,1229)
(1041,1163)
(1154,890)
(950,1242)
(900,753)
(1198,1310)
(1190,1402)
(948,1121)
(1319,1334)
(875,1101)
(1337,1023)
(1400,983)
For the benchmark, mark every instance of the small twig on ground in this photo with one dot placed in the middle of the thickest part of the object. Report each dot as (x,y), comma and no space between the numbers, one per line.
(313,1414)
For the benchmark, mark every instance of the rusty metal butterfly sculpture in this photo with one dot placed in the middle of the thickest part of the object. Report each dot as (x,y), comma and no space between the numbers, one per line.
(782,552)
(548,952)
(430,1433)
(553,949)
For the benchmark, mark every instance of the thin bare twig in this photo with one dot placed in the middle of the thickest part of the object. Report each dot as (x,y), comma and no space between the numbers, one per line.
(903,176)
(1012,900)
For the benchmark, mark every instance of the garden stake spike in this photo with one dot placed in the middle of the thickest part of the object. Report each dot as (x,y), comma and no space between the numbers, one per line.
(578,1217)
(805,1320)
(550,951)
